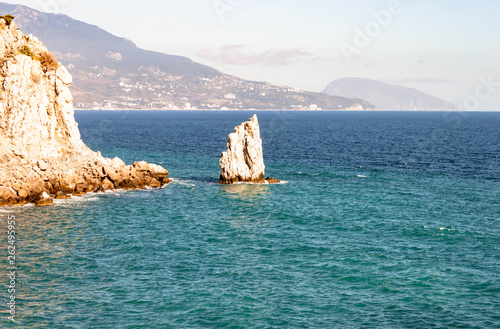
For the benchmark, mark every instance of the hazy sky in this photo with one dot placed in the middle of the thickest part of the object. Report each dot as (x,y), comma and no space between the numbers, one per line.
(443,47)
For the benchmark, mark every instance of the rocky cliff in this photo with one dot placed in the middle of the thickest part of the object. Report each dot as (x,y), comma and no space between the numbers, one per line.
(41,153)
(244,161)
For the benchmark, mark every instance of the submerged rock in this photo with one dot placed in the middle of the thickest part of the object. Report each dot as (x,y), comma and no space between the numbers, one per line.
(42,156)
(43,199)
(272,180)
(243,161)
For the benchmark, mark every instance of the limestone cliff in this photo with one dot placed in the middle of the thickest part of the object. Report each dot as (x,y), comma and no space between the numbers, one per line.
(42,155)
(244,161)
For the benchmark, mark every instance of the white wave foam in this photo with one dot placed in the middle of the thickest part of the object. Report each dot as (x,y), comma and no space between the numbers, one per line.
(188,183)
(307,174)
(250,183)
(90,197)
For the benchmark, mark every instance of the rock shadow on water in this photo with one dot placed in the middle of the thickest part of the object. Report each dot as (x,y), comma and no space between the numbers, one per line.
(246,191)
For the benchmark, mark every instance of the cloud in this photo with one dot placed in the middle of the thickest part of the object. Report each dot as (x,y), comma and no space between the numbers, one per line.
(235,55)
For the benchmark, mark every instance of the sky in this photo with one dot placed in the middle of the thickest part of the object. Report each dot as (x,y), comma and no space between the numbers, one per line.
(447,48)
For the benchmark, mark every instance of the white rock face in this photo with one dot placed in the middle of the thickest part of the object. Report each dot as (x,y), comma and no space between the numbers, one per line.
(41,152)
(243,161)
(36,111)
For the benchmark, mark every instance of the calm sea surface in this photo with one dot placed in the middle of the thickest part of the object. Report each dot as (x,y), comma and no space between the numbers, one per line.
(385,220)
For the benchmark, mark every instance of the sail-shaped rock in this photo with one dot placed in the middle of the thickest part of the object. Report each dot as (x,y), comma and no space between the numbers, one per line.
(243,161)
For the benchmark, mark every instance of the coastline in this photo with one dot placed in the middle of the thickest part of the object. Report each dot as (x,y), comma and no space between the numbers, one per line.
(41,182)
(279,110)
(42,154)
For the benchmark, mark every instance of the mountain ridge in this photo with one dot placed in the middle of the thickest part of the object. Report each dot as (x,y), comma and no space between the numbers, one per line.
(110,72)
(387,96)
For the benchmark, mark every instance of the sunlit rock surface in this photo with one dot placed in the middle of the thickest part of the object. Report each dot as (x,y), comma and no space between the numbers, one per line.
(42,155)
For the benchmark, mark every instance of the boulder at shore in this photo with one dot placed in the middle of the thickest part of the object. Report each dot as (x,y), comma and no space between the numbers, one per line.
(244,161)
(42,156)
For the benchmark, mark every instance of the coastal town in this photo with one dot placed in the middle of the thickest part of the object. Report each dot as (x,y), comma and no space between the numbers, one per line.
(152,89)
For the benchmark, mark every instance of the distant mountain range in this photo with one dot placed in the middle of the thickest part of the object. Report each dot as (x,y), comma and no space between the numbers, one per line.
(111,72)
(385,96)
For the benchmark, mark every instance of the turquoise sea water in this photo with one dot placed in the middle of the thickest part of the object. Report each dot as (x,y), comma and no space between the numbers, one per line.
(385,220)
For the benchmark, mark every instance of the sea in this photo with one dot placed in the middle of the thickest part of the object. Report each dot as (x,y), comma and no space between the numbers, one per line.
(381,220)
